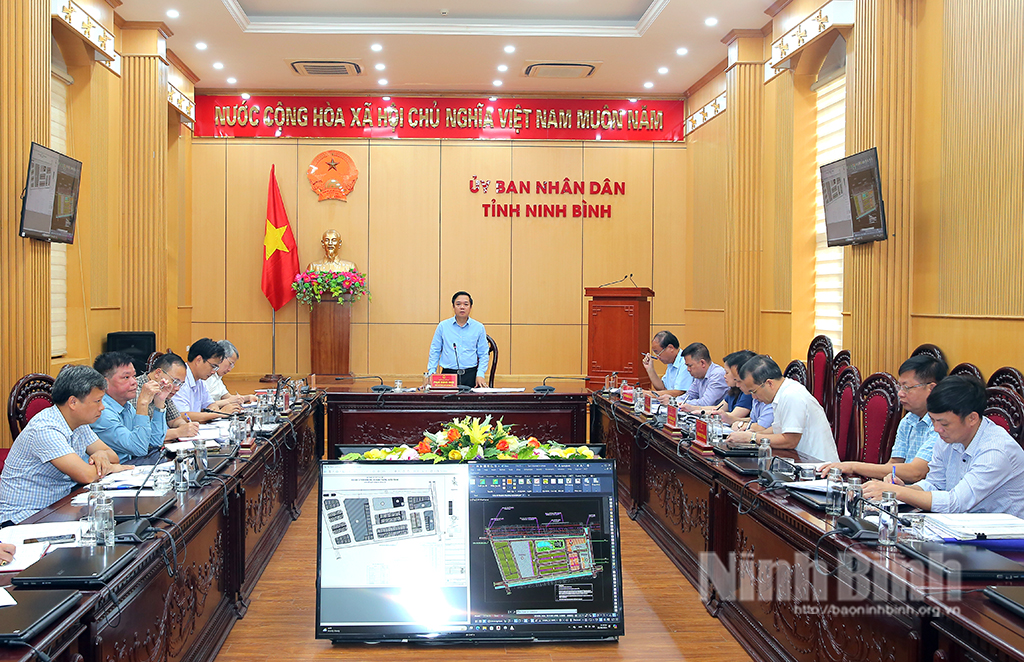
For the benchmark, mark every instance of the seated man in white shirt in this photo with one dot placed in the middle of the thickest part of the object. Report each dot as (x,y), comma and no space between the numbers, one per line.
(978,467)
(677,379)
(215,382)
(800,422)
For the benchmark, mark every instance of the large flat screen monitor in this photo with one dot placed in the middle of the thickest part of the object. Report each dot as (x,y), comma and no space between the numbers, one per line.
(851,190)
(50,204)
(472,552)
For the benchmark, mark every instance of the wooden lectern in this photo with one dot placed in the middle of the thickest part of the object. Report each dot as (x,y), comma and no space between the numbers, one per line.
(330,329)
(619,322)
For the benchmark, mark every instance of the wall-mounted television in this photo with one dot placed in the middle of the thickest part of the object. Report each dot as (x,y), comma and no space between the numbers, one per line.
(468,552)
(851,190)
(50,201)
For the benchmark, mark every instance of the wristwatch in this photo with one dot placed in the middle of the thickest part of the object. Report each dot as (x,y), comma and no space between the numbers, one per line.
(753,437)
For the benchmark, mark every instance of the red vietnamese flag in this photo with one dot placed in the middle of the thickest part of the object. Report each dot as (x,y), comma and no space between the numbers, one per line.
(280,257)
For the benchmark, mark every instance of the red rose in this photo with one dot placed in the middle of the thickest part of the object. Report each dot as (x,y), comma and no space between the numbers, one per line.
(453,434)
(423,446)
(532,441)
(502,445)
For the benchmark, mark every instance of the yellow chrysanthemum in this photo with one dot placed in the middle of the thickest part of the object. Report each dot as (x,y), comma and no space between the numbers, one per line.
(454,454)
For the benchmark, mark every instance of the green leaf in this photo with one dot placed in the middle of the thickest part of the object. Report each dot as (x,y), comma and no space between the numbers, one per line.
(525,453)
(350,456)
(429,456)
(491,453)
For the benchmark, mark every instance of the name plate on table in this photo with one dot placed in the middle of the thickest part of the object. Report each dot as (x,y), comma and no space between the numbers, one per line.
(647,402)
(672,418)
(446,381)
(701,433)
(627,395)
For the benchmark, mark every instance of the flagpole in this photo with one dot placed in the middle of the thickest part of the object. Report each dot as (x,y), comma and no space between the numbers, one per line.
(272,376)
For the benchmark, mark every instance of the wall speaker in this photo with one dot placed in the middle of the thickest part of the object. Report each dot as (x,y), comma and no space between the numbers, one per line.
(136,344)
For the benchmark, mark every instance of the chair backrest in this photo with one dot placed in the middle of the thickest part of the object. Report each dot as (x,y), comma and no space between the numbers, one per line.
(29,396)
(842,359)
(1006,409)
(819,372)
(930,350)
(797,371)
(1010,378)
(967,370)
(492,359)
(844,425)
(153,358)
(879,405)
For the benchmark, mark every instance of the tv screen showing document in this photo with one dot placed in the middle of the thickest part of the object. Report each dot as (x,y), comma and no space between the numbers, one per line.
(851,191)
(50,204)
(478,551)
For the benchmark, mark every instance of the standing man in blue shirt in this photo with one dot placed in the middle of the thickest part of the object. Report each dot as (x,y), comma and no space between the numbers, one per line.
(677,379)
(460,345)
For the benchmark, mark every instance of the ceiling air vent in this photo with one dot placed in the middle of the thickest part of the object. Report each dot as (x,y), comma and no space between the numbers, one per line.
(541,69)
(327,68)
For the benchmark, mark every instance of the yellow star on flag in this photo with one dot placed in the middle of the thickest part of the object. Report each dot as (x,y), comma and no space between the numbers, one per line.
(272,240)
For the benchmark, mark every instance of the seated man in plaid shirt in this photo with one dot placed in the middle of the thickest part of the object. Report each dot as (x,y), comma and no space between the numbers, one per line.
(170,367)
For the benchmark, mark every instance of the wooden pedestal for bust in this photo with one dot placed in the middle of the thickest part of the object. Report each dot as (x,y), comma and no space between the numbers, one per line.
(330,330)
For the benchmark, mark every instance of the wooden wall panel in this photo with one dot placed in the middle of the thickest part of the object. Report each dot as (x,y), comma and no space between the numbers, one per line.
(476,252)
(209,221)
(545,349)
(708,147)
(24,118)
(253,340)
(547,253)
(708,327)
(622,244)
(671,220)
(989,343)
(248,173)
(405,234)
(399,349)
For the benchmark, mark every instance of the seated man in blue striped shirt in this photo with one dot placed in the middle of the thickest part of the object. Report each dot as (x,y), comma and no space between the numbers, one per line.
(57,449)
(708,387)
(132,430)
(979,467)
(915,436)
(460,345)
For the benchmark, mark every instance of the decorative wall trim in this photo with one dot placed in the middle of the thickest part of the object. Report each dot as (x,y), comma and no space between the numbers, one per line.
(180,102)
(85,26)
(708,112)
(832,14)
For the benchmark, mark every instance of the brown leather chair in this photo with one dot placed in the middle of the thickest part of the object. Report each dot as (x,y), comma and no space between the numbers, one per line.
(153,358)
(1006,409)
(930,350)
(847,405)
(842,359)
(819,372)
(29,396)
(968,370)
(797,371)
(879,405)
(492,359)
(1010,378)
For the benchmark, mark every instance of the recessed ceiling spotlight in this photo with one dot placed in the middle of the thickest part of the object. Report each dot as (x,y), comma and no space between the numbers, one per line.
(245,95)
(497,83)
(376,48)
(201,45)
(648,85)
(682,51)
(510,49)
(232,81)
(662,70)
(385,98)
(502,67)
(710,21)
(382,81)
(173,13)
(379,66)
(218,65)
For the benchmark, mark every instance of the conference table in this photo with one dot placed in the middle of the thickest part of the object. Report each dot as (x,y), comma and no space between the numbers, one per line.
(225,534)
(357,416)
(750,552)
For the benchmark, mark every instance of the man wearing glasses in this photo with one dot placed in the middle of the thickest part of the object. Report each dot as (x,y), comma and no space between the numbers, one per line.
(665,348)
(800,422)
(204,357)
(131,431)
(915,436)
(170,368)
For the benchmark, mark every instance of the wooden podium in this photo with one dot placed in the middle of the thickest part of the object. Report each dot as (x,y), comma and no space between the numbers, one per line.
(619,327)
(330,330)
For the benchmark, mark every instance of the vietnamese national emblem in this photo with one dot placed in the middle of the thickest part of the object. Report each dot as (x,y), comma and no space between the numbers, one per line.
(332,175)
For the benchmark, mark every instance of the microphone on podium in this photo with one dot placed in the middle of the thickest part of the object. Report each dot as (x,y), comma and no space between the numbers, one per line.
(459,371)
(376,388)
(544,389)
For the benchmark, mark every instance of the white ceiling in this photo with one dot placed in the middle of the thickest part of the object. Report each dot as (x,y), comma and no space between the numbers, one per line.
(424,51)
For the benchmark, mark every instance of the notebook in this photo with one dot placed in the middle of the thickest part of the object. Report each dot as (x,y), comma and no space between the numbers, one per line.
(76,567)
(744,466)
(965,561)
(1008,597)
(35,611)
(815,500)
(149,506)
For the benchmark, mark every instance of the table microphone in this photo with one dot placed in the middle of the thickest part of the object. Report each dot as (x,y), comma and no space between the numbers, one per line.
(545,389)
(131,532)
(458,370)
(376,388)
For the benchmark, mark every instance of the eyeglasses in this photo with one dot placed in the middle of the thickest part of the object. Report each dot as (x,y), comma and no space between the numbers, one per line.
(908,389)
(177,382)
(215,366)
(756,388)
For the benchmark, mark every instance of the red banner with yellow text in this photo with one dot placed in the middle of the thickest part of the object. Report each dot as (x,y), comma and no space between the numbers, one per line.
(271,116)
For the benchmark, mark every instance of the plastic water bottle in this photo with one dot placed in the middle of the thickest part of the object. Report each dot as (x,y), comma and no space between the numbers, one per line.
(888,519)
(854,493)
(103,520)
(764,455)
(835,495)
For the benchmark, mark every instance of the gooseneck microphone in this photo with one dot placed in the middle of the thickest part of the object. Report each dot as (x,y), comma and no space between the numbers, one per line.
(616,282)
(376,388)
(545,389)
(459,371)
(131,532)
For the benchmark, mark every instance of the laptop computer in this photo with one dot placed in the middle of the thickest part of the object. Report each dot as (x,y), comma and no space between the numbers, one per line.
(966,561)
(76,567)
(814,500)
(1008,597)
(736,449)
(149,506)
(35,611)
(744,466)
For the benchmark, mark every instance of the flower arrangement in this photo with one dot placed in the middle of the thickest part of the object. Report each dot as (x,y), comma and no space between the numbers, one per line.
(345,286)
(474,439)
